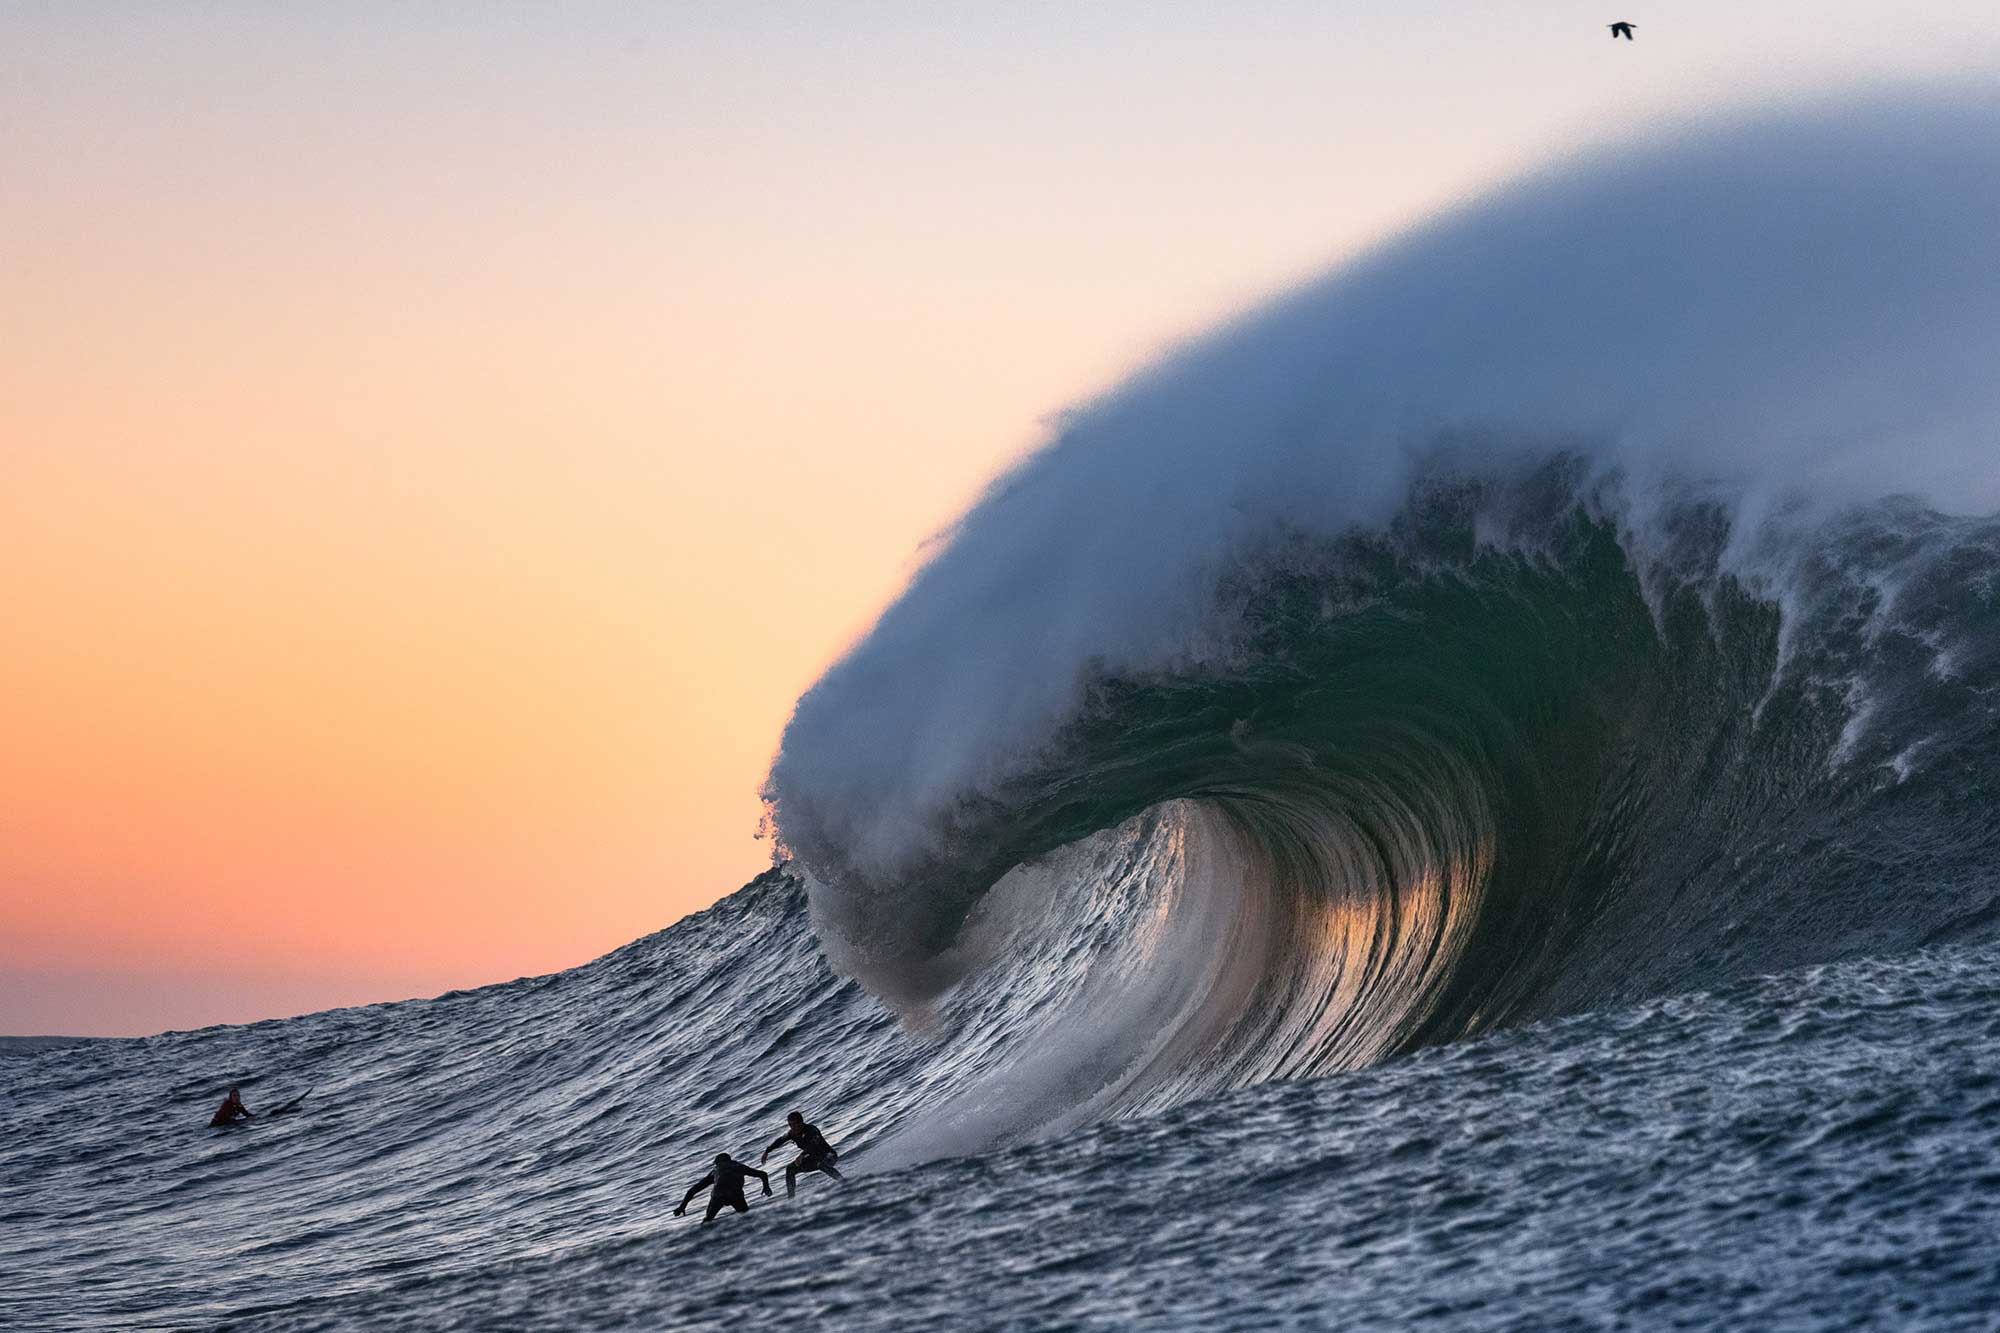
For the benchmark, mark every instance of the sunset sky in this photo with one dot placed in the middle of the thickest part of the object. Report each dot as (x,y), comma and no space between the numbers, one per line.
(437,444)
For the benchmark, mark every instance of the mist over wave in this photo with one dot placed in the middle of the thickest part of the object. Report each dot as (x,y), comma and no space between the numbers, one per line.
(1561,602)
(1578,610)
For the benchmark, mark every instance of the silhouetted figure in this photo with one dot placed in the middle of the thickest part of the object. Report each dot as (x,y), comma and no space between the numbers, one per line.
(231,1111)
(1621,30)
(726,1181)
(815,1153)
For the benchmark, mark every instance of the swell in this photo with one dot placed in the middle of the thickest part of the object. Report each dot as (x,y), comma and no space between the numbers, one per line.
(1481,764)
(1522,618)
(1459,777)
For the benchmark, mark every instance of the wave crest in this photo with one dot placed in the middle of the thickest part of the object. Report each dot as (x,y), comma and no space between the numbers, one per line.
(1495,625)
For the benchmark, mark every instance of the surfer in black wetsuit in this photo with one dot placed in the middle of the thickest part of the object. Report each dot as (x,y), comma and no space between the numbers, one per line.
(815,1153)
(231,1111)
(726,1181)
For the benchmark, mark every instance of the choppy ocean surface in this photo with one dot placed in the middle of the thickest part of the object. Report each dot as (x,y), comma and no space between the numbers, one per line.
(1463,797)
(1815,1149)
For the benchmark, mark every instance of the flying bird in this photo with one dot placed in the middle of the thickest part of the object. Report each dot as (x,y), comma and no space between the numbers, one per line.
(1621,30)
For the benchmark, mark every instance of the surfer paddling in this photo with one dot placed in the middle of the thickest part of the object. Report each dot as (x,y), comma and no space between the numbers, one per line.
(230,1112)
(815,1153)
(725,1187)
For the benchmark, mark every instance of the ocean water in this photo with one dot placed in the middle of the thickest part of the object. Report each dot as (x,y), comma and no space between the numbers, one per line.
(1463,797)
(1812,1149)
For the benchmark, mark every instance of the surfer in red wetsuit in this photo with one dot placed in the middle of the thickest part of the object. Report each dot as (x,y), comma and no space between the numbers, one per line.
(815,1153)
(231,1110)
(727,1182)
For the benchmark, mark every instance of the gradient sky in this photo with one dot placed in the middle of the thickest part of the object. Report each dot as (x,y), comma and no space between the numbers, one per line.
(438,443)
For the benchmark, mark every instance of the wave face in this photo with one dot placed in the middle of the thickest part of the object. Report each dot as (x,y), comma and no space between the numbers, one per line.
(1563,604)
(1577,601)
(1807,1150)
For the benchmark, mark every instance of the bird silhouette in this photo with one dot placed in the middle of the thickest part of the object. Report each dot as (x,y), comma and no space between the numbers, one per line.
(1621,30)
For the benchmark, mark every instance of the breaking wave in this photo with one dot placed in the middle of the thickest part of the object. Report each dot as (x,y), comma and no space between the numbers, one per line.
(1581,599)
(1571,600)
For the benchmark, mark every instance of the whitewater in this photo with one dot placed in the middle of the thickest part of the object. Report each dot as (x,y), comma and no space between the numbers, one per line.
(1462,796)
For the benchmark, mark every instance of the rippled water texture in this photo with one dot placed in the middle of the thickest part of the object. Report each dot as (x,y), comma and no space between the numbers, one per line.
(1809,1150)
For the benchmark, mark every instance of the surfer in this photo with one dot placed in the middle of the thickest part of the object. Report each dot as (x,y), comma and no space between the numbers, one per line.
(231,1111)
(815,1153)
(727,1182)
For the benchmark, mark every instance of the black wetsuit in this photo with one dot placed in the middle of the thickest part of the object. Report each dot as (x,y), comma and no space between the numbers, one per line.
(812,1146)
(725,1186)
(815,1154)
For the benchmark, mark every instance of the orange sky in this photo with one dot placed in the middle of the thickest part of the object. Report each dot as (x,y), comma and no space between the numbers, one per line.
(437,451)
